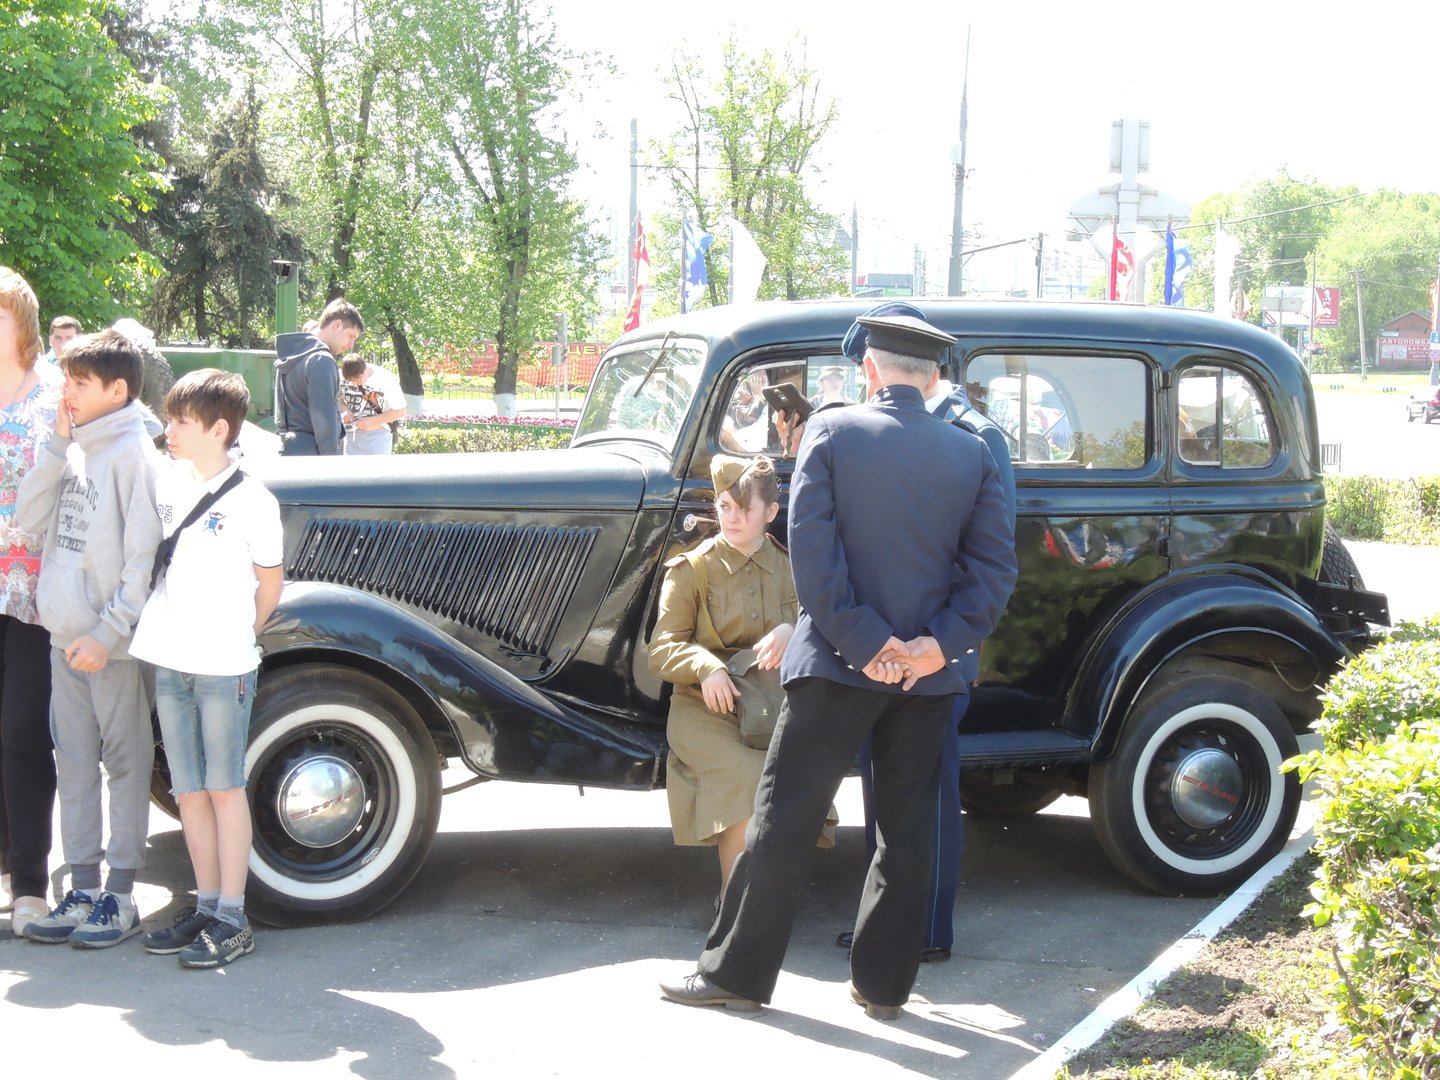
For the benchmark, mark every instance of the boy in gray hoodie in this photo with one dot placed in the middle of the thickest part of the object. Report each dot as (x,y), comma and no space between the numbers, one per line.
(91,497)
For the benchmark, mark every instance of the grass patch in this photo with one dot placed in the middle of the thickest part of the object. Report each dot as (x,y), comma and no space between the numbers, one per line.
(1252,1006)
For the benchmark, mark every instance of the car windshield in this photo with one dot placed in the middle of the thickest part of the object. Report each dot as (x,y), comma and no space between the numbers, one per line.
(643,391)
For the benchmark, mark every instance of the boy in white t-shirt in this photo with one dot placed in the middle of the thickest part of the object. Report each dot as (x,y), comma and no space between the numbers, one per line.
(198,629)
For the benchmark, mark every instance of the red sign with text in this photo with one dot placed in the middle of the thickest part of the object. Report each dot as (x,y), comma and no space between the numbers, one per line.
(1326,306)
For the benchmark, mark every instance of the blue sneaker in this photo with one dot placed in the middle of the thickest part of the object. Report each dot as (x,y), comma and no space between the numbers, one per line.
(218,944)
(169,940)
(110,923)
(64,917)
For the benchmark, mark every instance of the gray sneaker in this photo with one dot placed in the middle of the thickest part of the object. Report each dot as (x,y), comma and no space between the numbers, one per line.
(64,917)
(169,940)
(110,923)
(218,943)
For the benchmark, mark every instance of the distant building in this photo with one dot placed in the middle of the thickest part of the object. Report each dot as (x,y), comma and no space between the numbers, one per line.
(1403,343)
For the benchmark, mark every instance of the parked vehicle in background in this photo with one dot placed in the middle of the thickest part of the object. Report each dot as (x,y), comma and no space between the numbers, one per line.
(1424,406)
(1180,598)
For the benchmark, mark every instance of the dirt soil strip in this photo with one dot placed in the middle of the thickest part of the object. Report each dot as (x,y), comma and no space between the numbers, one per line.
(1125,1001)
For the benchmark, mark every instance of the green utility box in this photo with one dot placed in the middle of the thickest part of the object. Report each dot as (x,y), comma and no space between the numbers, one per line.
(256,365)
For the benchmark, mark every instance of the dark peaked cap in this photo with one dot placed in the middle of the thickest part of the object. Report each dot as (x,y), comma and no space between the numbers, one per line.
(907,336)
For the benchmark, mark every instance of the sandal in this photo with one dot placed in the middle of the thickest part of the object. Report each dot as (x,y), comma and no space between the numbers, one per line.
(27,909)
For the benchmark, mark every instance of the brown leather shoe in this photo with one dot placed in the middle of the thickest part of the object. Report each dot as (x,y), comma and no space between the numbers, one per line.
(696,989)
(873,1011)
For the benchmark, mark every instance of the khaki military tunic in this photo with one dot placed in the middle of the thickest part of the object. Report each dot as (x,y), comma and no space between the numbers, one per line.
(712,775)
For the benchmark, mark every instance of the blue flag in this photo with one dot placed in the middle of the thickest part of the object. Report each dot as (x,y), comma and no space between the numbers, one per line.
(1177,269)
(693,275)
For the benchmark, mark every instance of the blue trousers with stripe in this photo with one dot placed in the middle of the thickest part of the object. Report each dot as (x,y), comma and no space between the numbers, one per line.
(949,832)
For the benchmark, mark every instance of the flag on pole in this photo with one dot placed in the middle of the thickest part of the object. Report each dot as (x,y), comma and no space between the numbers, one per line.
(1435,305)
(693,274)
(1122,269)
(641,255)
(1227,250)
(747,263)
(1177,269)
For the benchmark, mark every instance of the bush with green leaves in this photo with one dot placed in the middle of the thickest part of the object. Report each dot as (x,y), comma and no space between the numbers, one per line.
(495,434)
(1402,511)
(1378,837)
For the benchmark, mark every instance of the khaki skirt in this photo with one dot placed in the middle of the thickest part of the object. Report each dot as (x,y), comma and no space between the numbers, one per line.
(711,776)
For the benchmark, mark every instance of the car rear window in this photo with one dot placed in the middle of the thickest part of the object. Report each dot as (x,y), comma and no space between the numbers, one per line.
(1222,420)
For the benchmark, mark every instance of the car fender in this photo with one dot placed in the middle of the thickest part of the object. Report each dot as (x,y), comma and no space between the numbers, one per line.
(1177,614)
(505,728)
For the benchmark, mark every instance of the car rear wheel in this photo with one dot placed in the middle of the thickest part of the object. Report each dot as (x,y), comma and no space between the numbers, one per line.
(345,792)
(1193,801)
(982,797)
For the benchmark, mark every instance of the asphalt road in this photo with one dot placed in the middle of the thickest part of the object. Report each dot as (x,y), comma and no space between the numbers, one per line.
(1374,437)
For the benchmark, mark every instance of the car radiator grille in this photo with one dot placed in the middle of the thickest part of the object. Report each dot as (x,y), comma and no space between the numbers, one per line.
(512,582)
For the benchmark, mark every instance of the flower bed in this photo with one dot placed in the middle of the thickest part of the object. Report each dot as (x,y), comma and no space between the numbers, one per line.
(470,434)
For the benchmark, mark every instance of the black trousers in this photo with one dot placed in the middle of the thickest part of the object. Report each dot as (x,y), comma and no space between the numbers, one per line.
(27,759)
(815,742)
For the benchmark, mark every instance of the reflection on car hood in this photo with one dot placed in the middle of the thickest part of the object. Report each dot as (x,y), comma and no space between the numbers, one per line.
(594,479)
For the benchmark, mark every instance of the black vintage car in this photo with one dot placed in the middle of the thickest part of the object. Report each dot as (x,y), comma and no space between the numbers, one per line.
(1180,598)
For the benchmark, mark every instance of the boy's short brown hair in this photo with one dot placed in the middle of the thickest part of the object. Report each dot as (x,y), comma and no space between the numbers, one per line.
(107,356)
(18,299)
(346,312)
(352,368)
(208,395)
(65,322)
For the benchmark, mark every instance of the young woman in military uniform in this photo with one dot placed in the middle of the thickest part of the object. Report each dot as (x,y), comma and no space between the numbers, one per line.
(750,603)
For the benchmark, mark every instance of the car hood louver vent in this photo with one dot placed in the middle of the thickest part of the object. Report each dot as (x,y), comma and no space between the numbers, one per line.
(510,582)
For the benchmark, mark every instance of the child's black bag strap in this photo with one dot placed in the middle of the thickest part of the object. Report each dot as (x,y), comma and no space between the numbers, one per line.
(166,551)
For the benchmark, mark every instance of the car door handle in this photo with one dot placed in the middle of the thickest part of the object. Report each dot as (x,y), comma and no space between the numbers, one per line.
(691,522)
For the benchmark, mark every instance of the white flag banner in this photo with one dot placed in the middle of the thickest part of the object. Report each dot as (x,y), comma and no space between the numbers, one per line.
(1227,250)
(747,264)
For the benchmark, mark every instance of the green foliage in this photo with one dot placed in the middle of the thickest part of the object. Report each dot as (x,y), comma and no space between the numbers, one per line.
(444,438)
(218,234)
(1402,511)
(492,103)
(746,150)
(70,171)
(1378,837)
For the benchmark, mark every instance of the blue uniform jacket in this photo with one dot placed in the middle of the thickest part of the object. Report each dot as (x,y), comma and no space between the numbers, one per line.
(898,526)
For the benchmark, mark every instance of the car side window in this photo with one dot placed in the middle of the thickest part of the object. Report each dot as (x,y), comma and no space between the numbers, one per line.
(1066,411)
(751,425)
(1221,419)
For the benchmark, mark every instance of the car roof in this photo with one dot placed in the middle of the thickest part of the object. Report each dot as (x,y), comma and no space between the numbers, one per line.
(746,326)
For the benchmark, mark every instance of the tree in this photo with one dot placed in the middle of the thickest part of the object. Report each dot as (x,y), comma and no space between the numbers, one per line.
(495,98)
(71,171)
(220,234)
(745,150)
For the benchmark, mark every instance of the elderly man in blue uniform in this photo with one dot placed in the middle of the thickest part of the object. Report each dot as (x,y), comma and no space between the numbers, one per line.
(950,402)
(896,586)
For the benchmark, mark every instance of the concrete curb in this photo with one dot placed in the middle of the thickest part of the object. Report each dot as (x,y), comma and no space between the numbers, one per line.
(1125,1001)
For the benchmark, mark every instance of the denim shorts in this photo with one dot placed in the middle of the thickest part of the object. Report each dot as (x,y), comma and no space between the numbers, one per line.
(205,723)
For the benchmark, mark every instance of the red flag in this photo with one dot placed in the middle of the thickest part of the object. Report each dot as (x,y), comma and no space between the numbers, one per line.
(1122,269)
(1435,305)
(641,254)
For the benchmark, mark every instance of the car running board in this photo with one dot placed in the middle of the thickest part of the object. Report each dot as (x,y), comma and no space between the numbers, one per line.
(997,749)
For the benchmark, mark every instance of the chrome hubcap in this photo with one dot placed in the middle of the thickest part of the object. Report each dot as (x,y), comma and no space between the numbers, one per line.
(320,801)
(1206,788)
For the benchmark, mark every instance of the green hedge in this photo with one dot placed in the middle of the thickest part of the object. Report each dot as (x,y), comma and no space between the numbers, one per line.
(1372,508)
(439,437)
(1378,838)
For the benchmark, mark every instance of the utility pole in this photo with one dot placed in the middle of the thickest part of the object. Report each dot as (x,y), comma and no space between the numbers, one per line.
(634,208)
(957,225)
(1360,311)
(1310,337)
(1040,266)
(854,246)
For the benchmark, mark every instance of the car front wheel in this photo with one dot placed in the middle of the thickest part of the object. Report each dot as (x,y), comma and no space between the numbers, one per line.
(345,792)
(1193,801)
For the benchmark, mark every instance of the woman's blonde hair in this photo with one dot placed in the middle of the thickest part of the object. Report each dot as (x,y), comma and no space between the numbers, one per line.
(18,298)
